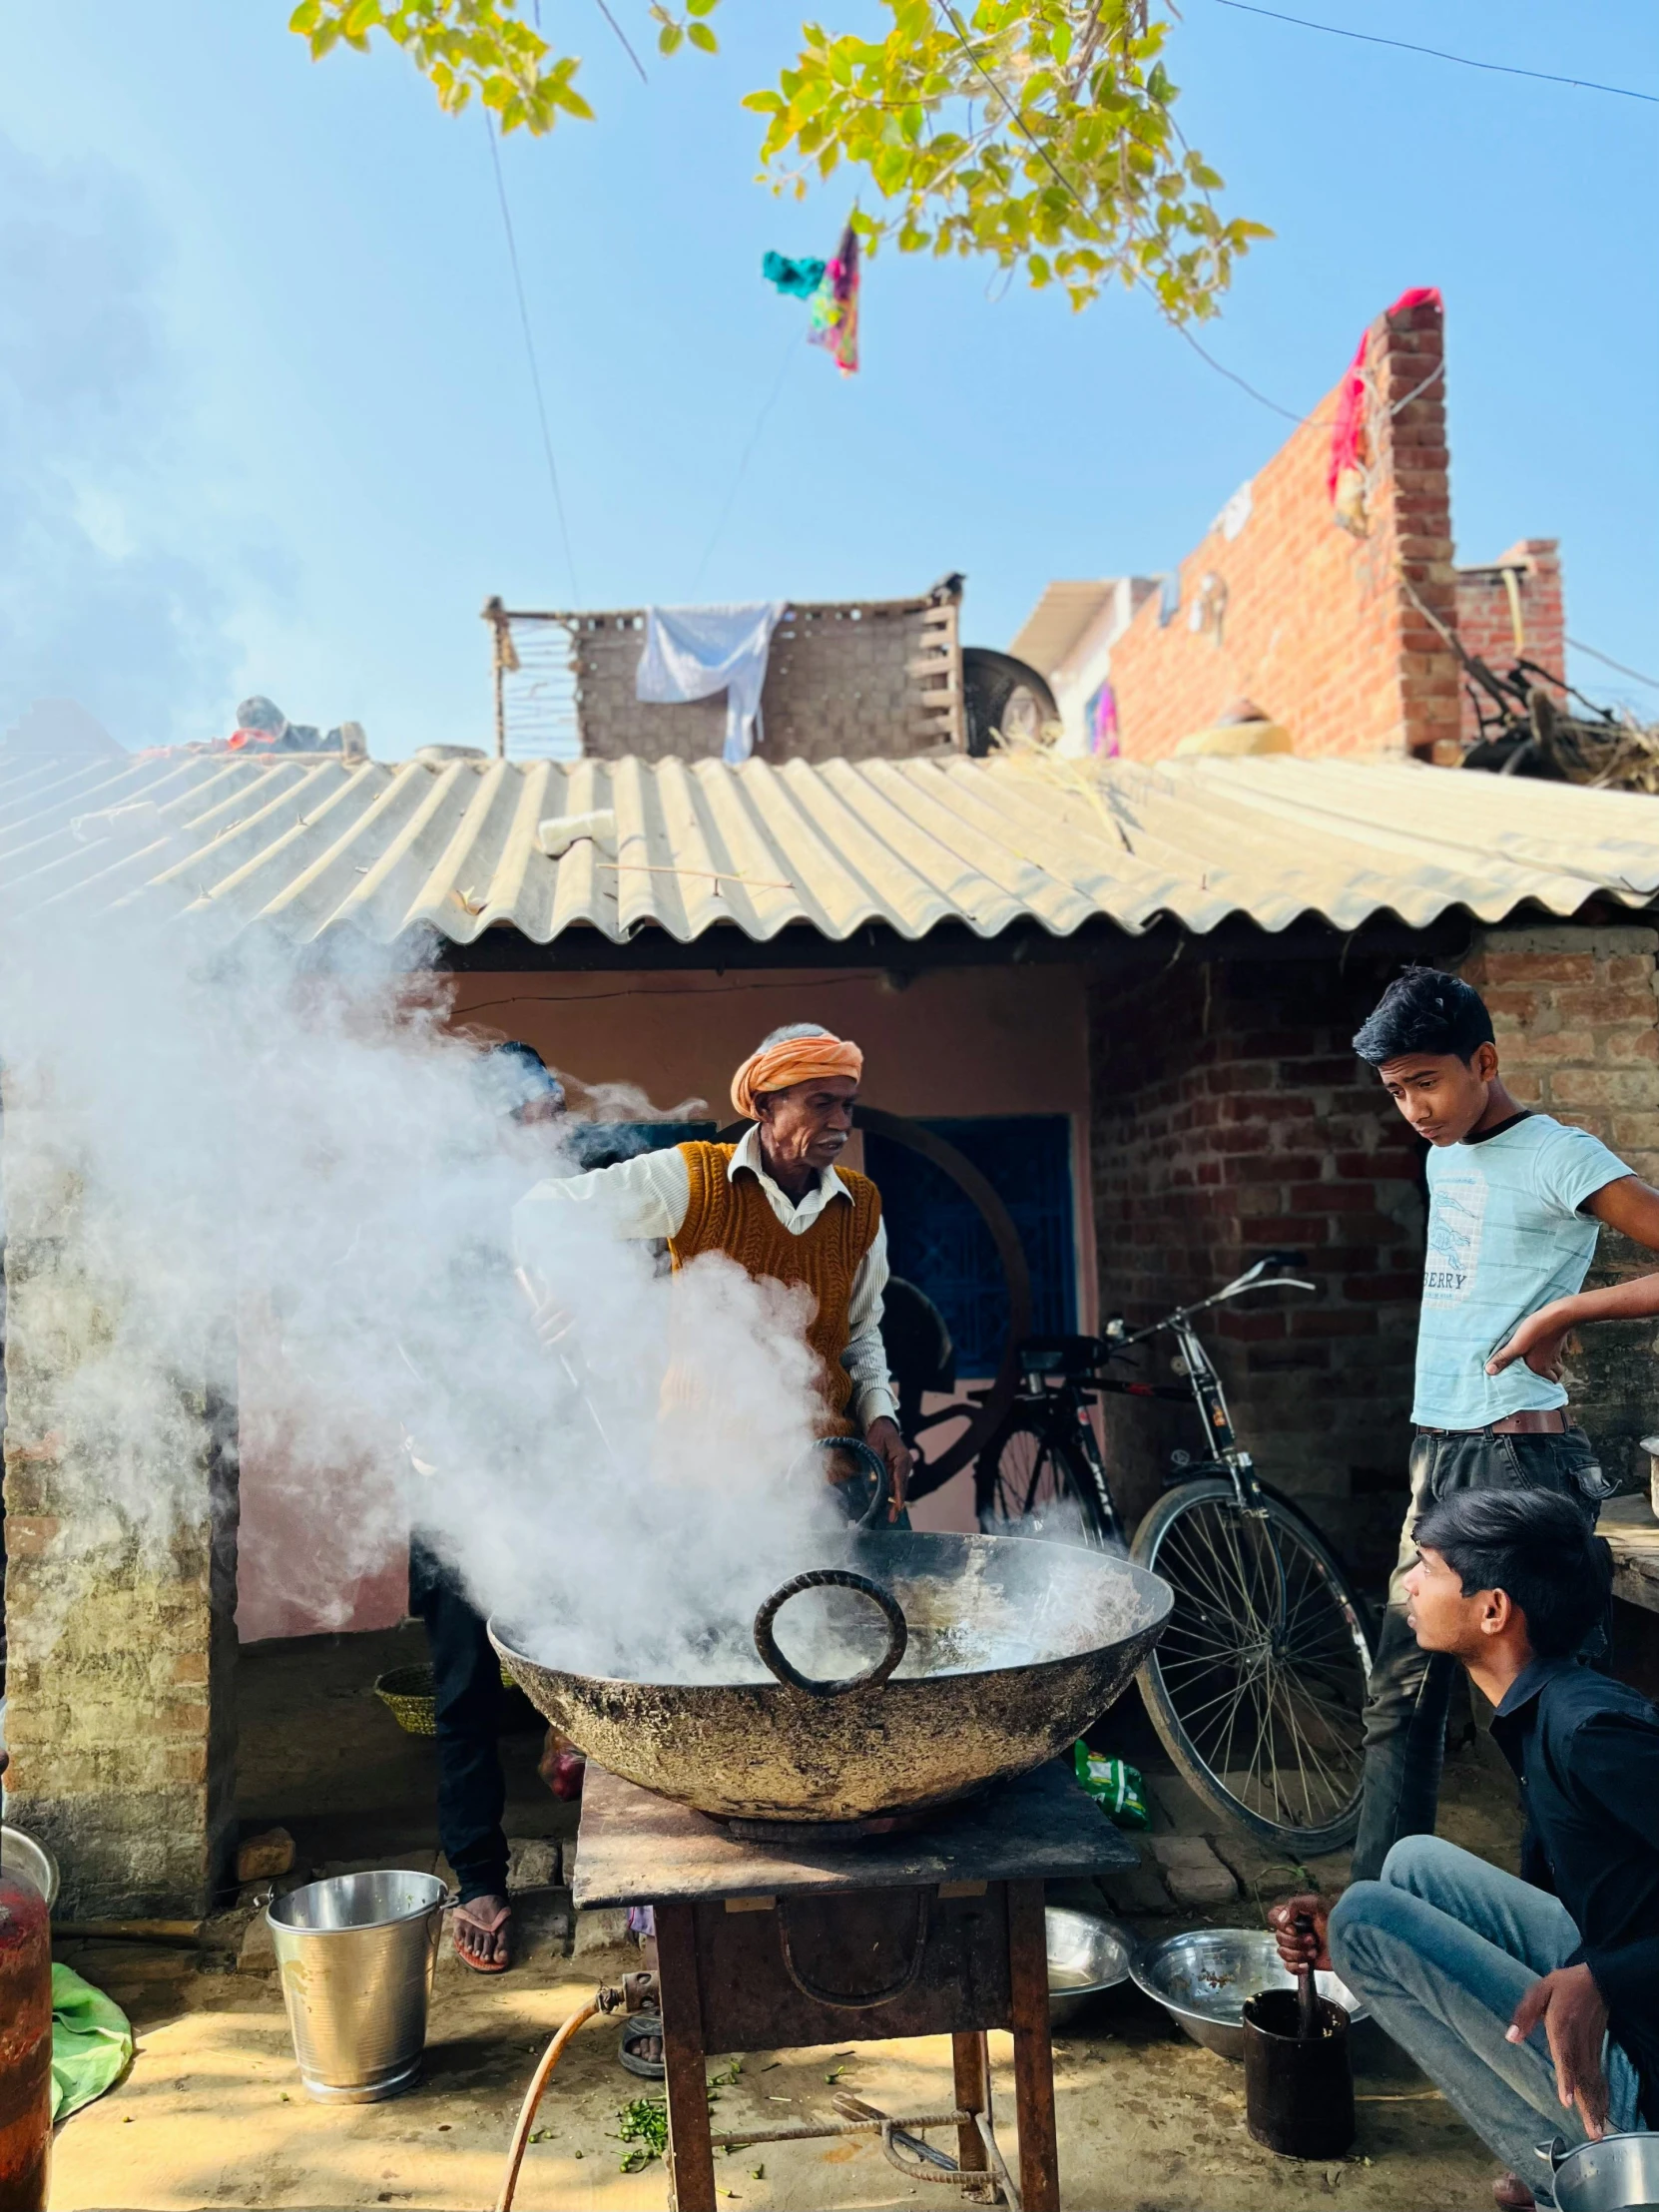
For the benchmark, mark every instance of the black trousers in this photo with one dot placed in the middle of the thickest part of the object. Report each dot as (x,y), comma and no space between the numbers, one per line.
(473,1791)
(1410,1689)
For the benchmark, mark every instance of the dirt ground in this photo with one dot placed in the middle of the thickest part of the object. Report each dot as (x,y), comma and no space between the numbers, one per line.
(213,2113)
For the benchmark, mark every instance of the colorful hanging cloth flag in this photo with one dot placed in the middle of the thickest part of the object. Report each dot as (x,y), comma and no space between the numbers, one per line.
(800,278)
(835,306)
(1349,423)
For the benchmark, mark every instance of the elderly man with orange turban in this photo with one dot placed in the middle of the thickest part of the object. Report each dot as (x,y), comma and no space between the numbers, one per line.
(777,1203)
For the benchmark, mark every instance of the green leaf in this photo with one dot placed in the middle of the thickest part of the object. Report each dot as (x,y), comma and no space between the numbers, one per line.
(909,105)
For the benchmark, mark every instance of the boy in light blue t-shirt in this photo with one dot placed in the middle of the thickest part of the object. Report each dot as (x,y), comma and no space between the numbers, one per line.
(1516,1205)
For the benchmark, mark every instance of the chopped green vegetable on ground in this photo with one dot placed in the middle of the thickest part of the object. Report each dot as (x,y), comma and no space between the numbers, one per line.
(643,2122)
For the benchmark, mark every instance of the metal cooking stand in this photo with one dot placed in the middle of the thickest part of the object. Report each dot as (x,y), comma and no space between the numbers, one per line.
(795,1941)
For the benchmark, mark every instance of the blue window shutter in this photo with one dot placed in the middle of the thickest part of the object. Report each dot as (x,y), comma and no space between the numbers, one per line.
(936,1239)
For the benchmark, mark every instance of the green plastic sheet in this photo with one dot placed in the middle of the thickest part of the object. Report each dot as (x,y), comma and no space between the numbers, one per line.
(92,2042)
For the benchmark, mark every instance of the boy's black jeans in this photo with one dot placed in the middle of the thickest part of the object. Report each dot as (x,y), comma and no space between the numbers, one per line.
(472,1791)
(1410,1689)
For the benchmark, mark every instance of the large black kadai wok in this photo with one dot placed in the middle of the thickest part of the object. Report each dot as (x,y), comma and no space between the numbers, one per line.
(999,1653)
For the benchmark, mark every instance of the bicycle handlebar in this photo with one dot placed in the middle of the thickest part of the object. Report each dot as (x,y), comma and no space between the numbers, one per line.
(1263,1274)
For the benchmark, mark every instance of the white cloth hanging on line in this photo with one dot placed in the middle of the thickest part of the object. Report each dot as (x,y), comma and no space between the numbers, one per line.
(694,651)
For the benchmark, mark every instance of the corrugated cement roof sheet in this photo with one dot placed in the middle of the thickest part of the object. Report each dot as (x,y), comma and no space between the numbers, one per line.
(317,845)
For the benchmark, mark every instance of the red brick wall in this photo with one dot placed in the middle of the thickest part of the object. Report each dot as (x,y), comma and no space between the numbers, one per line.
(1485,624)
(1317,629)
(1574,1012)
(1230,1117)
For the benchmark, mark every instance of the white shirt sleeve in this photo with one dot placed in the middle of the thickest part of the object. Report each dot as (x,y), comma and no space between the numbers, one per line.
(865,1358)
(646,1196)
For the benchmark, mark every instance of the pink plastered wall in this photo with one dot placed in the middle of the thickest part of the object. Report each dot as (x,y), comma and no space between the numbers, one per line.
(962,1042)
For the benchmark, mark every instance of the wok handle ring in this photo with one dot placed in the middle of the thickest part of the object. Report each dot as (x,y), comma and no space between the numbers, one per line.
(838,1578)
(874,1513)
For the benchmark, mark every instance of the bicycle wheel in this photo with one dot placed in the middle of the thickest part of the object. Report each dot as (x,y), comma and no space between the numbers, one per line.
(1025,1483)
(1258,1685)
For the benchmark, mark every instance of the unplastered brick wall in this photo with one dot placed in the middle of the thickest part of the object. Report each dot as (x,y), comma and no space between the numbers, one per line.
(1231,1117)
(1520,590)
(860,680)
(1573,1006)
(1282,605)
(120,1621)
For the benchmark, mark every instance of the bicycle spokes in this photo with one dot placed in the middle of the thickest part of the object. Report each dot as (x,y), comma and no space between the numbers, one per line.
(1263,1664)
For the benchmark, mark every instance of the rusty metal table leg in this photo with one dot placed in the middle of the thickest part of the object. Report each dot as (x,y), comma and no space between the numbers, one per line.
(690,2158)
(1039,2161)
(971,2065)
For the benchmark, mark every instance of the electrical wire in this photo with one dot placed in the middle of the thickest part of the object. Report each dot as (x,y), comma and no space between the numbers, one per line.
(623,36)
(1436,53)
(1607,661)
(1232,377)
(535,366)
(773,398)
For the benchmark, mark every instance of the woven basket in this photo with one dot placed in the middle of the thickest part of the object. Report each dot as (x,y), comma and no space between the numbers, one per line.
(408,1695)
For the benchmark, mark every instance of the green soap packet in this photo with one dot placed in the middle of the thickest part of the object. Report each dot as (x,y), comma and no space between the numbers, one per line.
(1116,1784)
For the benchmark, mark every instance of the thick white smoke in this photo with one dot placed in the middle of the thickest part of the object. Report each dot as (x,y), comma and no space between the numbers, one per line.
(291,1144)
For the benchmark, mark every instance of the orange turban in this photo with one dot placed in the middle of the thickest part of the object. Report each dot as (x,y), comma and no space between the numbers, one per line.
(777,1067)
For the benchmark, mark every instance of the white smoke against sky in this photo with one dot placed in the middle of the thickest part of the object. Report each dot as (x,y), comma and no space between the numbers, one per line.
(262,1130)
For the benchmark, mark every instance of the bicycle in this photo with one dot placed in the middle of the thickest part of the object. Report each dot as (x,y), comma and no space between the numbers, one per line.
(1256,1688)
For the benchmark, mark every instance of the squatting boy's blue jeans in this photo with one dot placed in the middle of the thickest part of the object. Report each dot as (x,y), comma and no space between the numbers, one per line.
(1439,1951)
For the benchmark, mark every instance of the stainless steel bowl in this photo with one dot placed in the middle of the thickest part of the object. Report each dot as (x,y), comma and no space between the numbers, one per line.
(20,1854)
(1086,1954)
(1204,1978)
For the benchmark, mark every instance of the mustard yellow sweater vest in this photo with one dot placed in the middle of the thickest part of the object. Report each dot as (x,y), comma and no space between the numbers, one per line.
(735,1218)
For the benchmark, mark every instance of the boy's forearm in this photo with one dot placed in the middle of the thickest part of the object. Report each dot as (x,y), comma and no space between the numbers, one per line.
(1634,1300)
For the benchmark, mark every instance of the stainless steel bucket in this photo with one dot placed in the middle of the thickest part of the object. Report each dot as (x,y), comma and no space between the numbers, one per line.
(356,1956)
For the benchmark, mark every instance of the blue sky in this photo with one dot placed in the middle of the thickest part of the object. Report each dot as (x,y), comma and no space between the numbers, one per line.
(265,419)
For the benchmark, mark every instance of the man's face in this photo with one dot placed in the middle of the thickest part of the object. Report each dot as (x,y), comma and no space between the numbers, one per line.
(808,1124)
(1440,1616)
(1442,1096)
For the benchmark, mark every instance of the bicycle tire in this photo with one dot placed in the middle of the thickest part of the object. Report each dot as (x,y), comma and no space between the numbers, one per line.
(1221,1647)
(1043,1479)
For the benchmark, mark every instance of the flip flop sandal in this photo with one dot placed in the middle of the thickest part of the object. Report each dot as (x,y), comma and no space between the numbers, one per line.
(480,1966)
(642,2028)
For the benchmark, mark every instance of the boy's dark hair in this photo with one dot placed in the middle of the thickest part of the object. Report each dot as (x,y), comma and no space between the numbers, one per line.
(1534,1545)
(1424,1011)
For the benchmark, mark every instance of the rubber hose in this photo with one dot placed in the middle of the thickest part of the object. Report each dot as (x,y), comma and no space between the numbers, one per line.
(532,2098)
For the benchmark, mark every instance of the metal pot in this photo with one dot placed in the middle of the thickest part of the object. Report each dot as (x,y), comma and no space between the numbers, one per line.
(1618,2174)
(999,1652)
(20,1854)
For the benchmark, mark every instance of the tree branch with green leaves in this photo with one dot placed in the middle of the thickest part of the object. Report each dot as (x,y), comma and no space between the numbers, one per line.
(1039,135)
